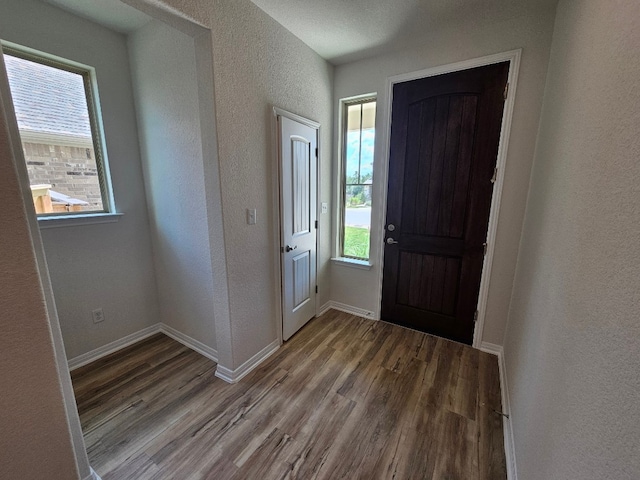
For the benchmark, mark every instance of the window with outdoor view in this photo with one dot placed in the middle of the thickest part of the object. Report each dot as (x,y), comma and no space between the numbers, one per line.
(357,163)
(56,113)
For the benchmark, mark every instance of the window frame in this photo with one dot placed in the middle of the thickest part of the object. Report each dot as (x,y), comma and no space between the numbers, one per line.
(90,83)
(344,107)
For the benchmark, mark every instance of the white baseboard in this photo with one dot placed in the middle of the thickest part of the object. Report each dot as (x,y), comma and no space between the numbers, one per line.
(343,307)
(509,447)
(109,348)
(324,309)
(233,376)
(187,341)
(93,475)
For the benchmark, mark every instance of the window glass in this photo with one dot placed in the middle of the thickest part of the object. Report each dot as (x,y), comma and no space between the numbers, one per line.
(55,114)
(359,139)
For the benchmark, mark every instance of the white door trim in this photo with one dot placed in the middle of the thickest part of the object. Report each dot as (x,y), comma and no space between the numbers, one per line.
(305,121)
(513,57)
(278,213)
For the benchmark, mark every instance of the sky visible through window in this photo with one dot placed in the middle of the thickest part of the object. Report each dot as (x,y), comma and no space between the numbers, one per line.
(356,164)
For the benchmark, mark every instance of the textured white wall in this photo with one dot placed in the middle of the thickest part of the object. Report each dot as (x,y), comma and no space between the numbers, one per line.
(468,38)
(573,340)
(163,65)
(36,439)
(110,265)
(257,64)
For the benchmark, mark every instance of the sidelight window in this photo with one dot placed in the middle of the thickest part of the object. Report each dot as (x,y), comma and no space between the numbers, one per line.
(357,177)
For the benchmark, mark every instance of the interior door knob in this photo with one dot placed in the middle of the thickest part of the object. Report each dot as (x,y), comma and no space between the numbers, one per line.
(391,241)
(289,248)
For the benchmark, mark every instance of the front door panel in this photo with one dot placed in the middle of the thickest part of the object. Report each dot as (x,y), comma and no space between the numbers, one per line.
(444,145)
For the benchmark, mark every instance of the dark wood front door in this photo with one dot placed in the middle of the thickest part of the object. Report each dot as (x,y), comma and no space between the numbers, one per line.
(445,132)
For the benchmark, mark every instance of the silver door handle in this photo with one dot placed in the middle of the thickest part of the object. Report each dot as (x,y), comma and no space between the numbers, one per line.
(391,241)
(288,248)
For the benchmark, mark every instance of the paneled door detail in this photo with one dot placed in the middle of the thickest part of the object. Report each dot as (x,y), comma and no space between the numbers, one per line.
(445,133)
(298,190)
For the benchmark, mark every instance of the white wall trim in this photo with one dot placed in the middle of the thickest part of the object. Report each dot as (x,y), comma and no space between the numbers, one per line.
(234,376)
(343,307)
(112,347)
(109,348)
(279,112)
(323,309)
(513,57)
(509,447)
(351,263)
(192,343)
(93,476)
(492,229)
(277,232)
(57,221)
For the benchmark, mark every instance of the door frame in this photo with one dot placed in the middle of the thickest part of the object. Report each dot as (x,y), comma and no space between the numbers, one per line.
(278,212)
(513,57)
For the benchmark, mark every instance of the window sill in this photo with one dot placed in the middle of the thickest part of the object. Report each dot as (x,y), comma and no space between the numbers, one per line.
(352,263)
(77,220)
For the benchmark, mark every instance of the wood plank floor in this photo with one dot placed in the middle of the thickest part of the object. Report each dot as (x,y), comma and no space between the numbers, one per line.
(345,398)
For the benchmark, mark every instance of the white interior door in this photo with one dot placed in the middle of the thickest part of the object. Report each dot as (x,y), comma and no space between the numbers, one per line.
(298,203)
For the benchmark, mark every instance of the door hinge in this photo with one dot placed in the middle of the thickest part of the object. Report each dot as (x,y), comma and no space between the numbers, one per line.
(506,90)
(316,223)
(495,175)
(316,288)
(475,316)
(484,248)
(316,152)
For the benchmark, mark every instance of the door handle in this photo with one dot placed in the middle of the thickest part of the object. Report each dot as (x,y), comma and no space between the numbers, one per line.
(289,248)
(391,241)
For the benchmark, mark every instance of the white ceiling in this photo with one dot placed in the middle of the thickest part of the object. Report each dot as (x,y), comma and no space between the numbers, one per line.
(348,30)
(113,14)
(340,30)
